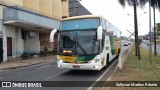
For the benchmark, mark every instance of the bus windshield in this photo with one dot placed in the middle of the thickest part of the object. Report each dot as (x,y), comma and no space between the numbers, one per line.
(79,42)
(80,24)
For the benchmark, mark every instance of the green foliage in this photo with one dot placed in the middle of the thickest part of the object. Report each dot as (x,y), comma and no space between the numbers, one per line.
(27,55)
(158,27)
(148,72)
(141,3)
(53,52)
(43,53)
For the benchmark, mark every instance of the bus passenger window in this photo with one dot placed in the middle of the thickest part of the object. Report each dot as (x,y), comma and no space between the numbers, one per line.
(110,33)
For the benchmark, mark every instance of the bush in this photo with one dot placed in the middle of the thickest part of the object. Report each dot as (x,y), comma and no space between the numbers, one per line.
(42,53)
(53,52)
(27,55)
(49,52)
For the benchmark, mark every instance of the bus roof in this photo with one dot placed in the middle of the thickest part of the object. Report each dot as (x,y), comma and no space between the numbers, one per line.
(81,17)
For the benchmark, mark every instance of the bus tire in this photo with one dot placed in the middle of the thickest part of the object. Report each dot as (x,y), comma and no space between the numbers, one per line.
(118,52)
(107,61)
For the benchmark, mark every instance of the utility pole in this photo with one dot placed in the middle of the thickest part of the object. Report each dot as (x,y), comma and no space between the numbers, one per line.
(150,35)
(155,46)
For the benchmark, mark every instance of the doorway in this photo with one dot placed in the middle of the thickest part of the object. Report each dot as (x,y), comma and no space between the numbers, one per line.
(9,46)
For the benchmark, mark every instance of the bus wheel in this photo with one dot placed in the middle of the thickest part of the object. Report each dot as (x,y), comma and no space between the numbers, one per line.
(118,52)
(107,61)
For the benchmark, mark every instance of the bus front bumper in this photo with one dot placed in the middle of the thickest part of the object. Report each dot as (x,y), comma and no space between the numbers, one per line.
(84,66)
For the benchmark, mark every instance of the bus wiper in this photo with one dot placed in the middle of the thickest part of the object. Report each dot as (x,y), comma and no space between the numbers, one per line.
(81,48)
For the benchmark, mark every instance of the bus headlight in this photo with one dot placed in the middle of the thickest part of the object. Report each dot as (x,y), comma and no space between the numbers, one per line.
(67,51)
(93,61)
(61,61)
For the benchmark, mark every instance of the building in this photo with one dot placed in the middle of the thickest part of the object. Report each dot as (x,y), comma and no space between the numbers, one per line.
(25,25)
(77,9)
(52,8)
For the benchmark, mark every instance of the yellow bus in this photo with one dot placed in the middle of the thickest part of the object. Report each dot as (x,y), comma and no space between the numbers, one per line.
(86,42)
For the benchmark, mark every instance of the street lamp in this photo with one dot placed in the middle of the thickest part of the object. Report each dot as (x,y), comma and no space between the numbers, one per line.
(138,16)
(141,15)
(137,49)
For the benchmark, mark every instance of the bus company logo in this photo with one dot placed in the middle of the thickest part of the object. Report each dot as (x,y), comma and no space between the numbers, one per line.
(6,84)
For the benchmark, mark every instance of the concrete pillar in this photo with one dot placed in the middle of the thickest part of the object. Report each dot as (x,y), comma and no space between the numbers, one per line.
(4,44)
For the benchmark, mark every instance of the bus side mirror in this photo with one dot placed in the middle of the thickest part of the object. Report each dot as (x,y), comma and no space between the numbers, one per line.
(99,33)
(52,35)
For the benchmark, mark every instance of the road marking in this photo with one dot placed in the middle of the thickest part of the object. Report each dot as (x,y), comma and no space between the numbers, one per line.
(90,88)
(55,75)
(43,66)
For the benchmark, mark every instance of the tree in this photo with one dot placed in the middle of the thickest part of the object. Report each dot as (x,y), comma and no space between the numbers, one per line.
(135,4)
(154,3)
(141,3)
(158,28)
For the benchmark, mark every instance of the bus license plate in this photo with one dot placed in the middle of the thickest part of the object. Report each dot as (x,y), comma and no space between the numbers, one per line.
(75,66)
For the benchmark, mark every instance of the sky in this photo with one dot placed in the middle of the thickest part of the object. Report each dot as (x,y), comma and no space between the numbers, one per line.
(117,15)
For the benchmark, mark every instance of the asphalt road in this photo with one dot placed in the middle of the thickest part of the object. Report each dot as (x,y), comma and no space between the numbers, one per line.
(144,45)
(50,72)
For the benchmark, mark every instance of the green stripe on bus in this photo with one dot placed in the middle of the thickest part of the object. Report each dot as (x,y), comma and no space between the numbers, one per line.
(86,58)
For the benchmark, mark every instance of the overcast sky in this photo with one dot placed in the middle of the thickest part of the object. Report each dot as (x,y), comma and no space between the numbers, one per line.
(117,15)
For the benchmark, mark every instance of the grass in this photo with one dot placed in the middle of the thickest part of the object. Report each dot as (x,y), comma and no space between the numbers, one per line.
(149,72)
(139,70)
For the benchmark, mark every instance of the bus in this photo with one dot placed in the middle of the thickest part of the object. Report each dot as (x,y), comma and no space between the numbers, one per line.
(86,42)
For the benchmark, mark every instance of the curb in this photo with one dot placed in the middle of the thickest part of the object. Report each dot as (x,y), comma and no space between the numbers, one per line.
(125,55)
(15,67)
(123,60)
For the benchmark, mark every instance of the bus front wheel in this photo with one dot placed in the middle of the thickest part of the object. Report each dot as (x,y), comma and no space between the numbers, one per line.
(107,61)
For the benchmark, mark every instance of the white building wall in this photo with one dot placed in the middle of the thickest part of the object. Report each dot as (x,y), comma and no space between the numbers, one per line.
(19,42)
(10,32)
(1,16)
(1,25)
(33,43)
(4,44)
(1,12)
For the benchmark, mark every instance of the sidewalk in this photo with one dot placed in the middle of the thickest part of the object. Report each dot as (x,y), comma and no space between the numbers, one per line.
(27,62)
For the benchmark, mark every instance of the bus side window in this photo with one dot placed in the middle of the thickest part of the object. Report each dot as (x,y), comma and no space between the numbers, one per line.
(110,33)
(103,38)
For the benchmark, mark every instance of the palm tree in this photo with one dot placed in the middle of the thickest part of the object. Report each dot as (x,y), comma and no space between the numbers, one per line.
(135,3)
(154,3)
